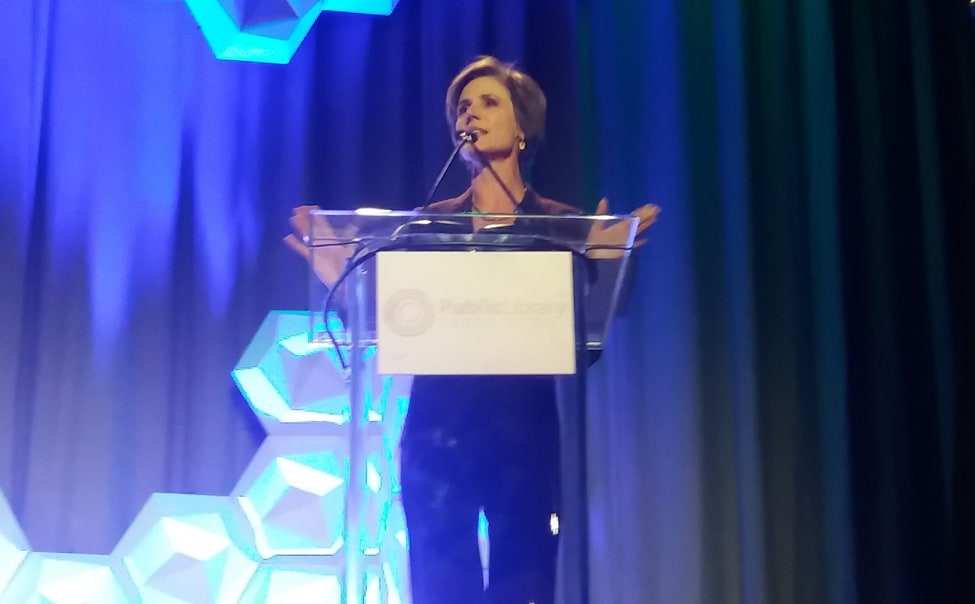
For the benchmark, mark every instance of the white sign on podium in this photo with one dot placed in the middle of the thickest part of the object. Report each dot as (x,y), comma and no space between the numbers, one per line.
(475,313)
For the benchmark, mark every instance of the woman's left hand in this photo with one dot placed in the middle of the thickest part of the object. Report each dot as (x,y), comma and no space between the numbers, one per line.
(616,234)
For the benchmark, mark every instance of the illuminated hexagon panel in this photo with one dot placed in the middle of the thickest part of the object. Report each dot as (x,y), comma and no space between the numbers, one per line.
(295,490)
(70,579)
(188,548)
(295,387)
(13,544)
(293,494)
(287,580)
(281,535)
(289,383)
(268,31)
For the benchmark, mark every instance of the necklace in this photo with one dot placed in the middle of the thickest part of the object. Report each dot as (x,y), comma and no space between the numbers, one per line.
(486,217)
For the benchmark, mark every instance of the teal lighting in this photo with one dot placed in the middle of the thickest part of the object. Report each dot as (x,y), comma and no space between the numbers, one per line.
(293,494)
(268,31)
(188,548)
(295,579)
(13,543)
(50,578)
(289,383)
(281,534)
(365,7)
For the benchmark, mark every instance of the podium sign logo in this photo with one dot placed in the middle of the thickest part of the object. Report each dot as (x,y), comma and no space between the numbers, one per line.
(408,312)
(475,313)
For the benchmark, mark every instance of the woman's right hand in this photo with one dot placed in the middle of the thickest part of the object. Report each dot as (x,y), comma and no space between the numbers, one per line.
(328,261)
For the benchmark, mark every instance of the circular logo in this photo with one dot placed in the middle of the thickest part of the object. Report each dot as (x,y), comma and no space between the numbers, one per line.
(408,312)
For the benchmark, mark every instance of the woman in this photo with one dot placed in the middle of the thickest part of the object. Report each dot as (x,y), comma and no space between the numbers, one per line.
(484,442)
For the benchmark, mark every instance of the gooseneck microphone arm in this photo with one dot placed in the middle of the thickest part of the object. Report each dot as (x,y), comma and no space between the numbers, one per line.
(464,138)
(487,165)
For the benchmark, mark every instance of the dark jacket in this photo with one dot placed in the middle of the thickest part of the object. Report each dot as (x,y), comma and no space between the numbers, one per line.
(531,203)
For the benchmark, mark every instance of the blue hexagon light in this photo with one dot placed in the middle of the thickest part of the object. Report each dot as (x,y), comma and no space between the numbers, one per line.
(297,387)
(295,490)
(286,580)
(268,31)
(382,588)
(13,544)
(69,579)
(281,536)
(188,548)
(382,503)
(288,382)
(293,494)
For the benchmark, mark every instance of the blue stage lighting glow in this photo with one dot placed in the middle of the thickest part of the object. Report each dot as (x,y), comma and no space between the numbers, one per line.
(293,494)
(232,37)
(483,544)
(268,31)
(286,381)
(390,575)
(365,7)
(294,579)
(188,548)
(281,535)
(70,579)
(13,544)
(266,400)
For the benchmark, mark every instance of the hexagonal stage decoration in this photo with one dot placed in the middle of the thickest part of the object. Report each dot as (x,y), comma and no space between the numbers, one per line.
(281,536)
(366,7)
(293,494)
(387,568)
(296,387)
(13,543)
(288,382)
(188,548)
(286,580)
(69,579)
(268,31)
(382,588)
(295,490)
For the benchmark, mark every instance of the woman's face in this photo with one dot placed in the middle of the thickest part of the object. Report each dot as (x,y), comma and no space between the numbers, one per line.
(485,107)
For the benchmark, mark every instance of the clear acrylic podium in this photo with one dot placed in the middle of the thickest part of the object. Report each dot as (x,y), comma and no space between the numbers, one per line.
(397,292)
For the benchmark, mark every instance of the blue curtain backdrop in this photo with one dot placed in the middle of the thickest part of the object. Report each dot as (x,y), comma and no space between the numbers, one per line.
(785,412)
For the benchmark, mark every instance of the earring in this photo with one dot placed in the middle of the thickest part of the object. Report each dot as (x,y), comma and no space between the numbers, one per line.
(522,144)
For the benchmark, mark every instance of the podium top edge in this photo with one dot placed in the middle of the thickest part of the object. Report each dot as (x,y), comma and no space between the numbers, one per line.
(383,213)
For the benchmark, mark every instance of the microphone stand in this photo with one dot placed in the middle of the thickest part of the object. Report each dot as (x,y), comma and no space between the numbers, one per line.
(497,177)
(465,138)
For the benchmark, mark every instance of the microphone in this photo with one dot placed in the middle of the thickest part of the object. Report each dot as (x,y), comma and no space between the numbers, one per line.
(464,137)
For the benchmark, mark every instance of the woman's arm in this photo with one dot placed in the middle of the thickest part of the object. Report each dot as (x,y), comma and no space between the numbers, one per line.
(329,261)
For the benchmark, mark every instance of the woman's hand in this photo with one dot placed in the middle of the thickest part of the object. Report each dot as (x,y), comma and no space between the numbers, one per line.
(328,261)
(604,238)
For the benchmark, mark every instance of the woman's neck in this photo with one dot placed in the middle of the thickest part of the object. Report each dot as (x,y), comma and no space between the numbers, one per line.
(489,194)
